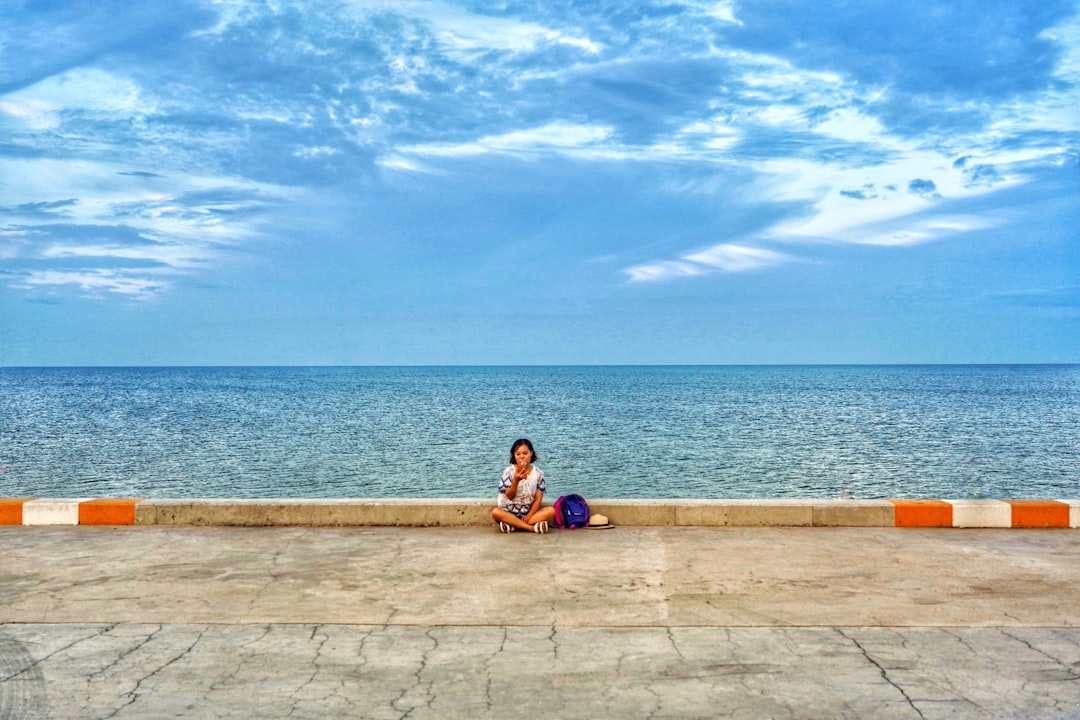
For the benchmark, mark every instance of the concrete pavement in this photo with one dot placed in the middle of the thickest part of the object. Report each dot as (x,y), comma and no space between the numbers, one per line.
(635,622)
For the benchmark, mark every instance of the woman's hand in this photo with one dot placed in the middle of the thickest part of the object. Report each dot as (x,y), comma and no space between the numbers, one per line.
(520,473)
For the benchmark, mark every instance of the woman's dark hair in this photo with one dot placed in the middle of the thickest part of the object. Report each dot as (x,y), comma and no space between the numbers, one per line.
(519,443)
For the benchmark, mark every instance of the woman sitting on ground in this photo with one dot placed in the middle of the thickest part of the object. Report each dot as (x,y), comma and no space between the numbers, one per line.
(521,492)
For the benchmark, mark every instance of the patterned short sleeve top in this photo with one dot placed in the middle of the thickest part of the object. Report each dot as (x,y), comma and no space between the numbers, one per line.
(526,490)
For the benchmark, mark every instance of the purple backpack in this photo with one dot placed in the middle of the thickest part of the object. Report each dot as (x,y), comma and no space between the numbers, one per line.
(571,511)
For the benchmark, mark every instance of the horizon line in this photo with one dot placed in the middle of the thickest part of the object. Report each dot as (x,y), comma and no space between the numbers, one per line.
(537,365)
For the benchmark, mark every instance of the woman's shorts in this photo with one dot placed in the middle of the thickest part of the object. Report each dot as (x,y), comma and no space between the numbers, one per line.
(519,510)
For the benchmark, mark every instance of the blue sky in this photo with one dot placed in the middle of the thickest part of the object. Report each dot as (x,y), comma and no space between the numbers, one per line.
(375,182)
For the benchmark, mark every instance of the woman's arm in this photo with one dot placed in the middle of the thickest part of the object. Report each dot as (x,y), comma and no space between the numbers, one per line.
(510,478)
(538,499)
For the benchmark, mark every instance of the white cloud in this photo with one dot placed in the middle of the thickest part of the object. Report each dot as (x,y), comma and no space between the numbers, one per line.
(444,150)
(1067,36)
(558,137)
(496,34)
(724,10)
(563,135)
(89,90)
(769,73)
(915,230)
(34,114)
(94,282)
(663,270)
(178,224)
(737,258)
(882,196)
(464,31)
(314,152)
(846,123)
(105,188)
(714,134)
(229,12)
(397,162)
(463,34)
(725,257)
(174,255)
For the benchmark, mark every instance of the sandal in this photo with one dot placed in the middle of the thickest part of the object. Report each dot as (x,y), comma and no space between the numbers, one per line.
(541,527)
(506,527)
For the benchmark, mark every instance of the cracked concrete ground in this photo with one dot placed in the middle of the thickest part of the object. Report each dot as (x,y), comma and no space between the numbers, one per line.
(156,622)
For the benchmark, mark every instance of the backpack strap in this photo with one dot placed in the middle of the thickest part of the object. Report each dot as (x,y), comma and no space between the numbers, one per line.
(558,511)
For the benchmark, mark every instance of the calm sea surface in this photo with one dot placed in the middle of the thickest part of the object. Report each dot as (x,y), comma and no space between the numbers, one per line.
(659,432)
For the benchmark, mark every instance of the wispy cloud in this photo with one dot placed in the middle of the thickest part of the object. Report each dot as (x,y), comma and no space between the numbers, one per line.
(94,283)
(663,270)
(560,137)
(914,231)
(470,33)
(725,258)
(148,227)
(736,258)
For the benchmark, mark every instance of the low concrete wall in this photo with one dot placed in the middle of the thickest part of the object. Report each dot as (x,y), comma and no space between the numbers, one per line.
(310,512)
(477,512)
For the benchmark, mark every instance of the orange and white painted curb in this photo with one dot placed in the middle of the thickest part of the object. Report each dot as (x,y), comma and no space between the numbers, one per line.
(901,513)
(68,511)
(988,513)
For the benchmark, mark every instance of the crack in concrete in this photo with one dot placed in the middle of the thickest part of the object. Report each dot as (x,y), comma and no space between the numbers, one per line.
(221,683)
(435,667)
(657,701)
(314,673)
(266,631)
(318,655)
(133,694)
(884,673)
(420,684)
(1071,670)
(960,639)
(361,650)
(124,654)
(489,702)
(275,576)
(272,577)
(674,644)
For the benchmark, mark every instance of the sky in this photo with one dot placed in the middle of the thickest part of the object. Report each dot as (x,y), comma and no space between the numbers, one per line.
(377,182)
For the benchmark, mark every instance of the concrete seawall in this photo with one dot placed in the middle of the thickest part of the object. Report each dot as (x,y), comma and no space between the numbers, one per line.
(476,512)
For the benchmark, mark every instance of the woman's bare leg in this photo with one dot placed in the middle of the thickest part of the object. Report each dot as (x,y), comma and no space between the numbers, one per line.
(500,515)
(543,514)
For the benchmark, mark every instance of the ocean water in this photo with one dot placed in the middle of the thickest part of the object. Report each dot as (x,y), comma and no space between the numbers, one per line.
(631,432)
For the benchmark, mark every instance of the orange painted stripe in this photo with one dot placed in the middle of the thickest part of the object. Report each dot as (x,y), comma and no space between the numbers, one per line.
(1039,514)
(108,511)
(923,513)
(11,510)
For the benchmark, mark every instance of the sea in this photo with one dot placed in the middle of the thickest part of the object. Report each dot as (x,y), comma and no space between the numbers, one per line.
(865,431)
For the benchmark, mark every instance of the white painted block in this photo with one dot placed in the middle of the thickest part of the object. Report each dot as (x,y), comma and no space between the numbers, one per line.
(981,513)
(52,511)
(1074,512)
